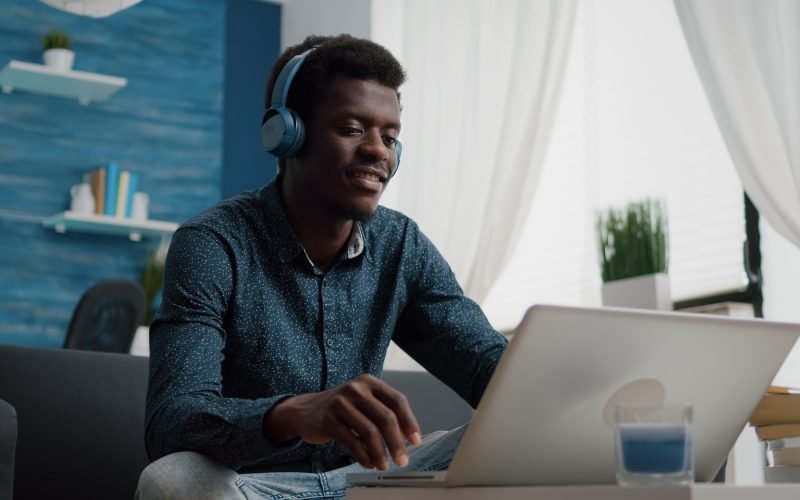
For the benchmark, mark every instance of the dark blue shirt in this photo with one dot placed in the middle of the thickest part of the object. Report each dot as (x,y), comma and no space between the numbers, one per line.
(247,320)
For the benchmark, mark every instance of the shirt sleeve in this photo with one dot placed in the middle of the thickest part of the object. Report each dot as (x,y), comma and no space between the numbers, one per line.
(186,409)
(442,329)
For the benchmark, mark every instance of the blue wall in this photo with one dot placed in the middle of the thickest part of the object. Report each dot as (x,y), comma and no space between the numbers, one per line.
(166,124)
(252,44)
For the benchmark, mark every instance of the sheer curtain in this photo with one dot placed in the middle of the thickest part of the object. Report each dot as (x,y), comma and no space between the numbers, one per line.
(633,123)
(747,53)
(483,88)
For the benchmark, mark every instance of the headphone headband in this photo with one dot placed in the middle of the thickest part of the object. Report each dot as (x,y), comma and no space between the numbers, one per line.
(280,92)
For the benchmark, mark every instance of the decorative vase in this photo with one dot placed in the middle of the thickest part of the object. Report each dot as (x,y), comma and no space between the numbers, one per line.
(650,291)
(60,59)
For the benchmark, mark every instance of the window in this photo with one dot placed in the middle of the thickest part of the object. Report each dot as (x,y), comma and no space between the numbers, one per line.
(633,122)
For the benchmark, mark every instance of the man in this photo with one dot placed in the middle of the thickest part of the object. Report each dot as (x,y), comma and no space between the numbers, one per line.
(279,304)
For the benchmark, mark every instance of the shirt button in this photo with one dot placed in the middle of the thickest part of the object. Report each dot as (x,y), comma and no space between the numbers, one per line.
(329,342)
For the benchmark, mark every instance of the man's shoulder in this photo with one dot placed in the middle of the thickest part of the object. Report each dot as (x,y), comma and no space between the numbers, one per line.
(232,215)
(387,221)
(391,228)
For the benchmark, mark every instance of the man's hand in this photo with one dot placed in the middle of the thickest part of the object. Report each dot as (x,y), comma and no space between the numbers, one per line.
(361,415)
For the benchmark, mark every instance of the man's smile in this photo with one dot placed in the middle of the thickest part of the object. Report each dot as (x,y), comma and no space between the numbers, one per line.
(368,178)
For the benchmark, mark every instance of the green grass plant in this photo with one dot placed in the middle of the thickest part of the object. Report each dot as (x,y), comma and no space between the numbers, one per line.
(56,40)
(633,240)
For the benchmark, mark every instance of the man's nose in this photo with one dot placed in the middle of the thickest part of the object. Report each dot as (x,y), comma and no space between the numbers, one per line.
(373,148)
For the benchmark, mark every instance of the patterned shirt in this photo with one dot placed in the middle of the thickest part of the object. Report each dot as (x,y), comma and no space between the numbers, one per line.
(247,320)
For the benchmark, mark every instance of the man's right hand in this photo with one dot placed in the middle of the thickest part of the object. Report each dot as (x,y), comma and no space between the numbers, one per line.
(361,415)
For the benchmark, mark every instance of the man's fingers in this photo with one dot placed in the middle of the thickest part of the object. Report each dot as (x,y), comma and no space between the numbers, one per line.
(397,403)
(386,420)
(368,434)
(351,442)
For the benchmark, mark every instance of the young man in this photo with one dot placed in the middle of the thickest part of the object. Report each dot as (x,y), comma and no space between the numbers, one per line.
(279,304)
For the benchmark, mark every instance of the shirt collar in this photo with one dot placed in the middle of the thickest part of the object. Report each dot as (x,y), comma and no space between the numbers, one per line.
(287,245)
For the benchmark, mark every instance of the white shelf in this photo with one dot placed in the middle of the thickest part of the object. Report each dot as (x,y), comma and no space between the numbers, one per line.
(107,224)
(41,79)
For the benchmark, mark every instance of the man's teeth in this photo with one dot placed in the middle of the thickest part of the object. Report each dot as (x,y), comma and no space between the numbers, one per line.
(369,177)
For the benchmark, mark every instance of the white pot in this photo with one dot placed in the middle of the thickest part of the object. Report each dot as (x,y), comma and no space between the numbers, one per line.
(61,59)
(141,342)
(651,291)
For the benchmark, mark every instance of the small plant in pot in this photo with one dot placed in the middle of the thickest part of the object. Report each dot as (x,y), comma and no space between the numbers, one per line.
(153,279)
(634,254)
(58,50)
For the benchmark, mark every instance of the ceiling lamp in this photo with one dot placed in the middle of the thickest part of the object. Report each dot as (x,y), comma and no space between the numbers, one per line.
(91,8)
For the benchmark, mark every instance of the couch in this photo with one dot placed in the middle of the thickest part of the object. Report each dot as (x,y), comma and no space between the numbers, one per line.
(80,417)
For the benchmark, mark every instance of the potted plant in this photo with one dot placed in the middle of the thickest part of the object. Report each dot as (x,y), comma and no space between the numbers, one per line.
(634,252)
(58,50)
(153,279)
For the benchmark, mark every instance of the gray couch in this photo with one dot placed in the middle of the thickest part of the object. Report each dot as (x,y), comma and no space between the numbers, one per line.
(81,420)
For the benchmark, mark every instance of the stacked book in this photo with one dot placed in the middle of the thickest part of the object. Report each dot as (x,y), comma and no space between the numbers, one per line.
(113,189)
(777,424)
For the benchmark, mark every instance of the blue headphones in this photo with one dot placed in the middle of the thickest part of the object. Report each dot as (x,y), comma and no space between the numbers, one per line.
(282,129)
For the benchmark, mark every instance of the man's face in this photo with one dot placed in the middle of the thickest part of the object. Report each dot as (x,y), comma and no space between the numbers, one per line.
(349,153)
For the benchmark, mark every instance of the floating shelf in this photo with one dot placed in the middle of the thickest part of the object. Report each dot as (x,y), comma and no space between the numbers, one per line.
(107,224)
(41,79)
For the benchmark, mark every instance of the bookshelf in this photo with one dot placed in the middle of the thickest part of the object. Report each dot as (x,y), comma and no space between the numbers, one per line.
(107,224)
(41,79)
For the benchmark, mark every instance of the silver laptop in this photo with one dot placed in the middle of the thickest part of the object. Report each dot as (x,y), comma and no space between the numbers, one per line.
(546,415)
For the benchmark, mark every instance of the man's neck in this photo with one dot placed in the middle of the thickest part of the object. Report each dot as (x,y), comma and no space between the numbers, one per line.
(322,233)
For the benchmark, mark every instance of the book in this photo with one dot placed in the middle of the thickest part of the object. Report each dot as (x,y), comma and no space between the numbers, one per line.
(97,179)
(777,431)
(784,456)
(789,442)
(782,474)
(133,185)
(122,193)
(112,185)
(777,408)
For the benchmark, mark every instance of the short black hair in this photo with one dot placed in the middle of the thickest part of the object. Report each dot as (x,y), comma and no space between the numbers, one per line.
(341,55)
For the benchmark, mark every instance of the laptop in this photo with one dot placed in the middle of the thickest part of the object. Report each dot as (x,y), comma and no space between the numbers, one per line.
(546,417)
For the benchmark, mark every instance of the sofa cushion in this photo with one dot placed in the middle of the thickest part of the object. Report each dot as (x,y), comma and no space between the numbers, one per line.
(81,421)
(8,444)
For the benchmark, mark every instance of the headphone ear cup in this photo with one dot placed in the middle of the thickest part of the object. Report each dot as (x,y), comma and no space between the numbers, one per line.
(282,132)
(399,151)
(299,136)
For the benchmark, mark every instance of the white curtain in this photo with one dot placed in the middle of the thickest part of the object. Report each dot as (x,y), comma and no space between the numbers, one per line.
(747,53)
(483,88)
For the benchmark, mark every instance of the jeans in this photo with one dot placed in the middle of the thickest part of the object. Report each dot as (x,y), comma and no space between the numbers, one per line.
(190,475)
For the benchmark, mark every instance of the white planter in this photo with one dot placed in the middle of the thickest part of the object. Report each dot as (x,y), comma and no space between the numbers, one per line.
(141,342)
(61,59)
(651,291)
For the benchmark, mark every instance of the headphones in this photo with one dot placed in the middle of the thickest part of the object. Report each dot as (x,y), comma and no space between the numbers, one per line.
(282,129)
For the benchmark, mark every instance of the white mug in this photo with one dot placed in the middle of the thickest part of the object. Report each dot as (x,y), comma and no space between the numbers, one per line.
(139,210)
(82,199)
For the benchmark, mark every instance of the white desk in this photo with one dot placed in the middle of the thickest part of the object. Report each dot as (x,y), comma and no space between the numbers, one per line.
(610,492)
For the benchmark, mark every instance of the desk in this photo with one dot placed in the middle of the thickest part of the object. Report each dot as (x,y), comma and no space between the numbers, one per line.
(600,492)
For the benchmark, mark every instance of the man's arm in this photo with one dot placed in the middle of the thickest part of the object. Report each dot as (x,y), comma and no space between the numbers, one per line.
(185,406)
(442,329)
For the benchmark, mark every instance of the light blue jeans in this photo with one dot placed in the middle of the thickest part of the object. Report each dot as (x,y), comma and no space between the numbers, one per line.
(190,475)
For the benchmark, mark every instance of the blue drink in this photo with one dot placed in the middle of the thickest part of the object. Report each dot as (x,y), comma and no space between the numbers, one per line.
(654,445)
(655,448)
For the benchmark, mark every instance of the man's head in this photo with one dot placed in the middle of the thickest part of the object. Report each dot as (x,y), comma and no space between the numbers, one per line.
(346,94)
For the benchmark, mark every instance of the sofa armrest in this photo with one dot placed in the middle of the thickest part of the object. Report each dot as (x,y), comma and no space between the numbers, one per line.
(8,448)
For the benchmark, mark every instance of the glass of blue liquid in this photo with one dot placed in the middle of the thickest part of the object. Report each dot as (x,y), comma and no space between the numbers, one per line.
(654,445)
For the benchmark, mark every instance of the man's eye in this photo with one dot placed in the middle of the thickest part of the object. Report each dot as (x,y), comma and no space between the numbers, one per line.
(390,142)
(350,131)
